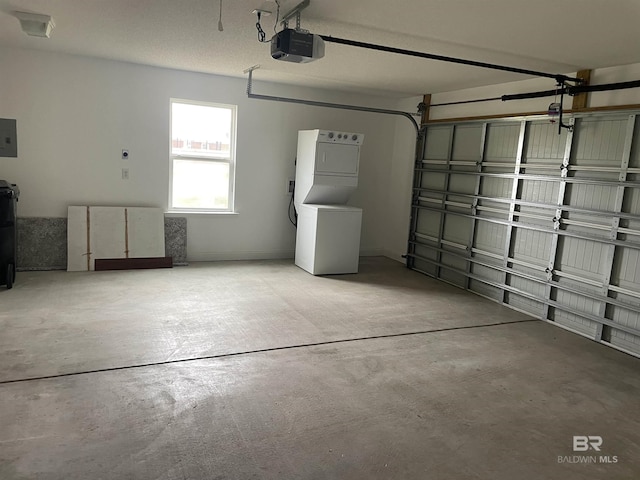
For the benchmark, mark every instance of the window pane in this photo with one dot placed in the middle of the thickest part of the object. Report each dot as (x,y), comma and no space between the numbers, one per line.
(200,130)
(200,184)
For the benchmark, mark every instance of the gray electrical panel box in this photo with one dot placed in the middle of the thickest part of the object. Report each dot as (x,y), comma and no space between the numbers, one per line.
(8,138)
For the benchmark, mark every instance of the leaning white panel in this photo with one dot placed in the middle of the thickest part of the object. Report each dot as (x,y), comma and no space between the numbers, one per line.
(112,232)
(108,233)
(77,242)
(146,232)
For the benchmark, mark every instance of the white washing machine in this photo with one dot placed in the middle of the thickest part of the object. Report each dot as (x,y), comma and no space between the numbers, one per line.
(328,239)
(328,233)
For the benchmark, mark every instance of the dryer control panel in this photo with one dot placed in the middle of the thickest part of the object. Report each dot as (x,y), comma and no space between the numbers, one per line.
(338,136)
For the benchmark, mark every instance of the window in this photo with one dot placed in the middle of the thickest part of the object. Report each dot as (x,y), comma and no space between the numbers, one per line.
(202,156)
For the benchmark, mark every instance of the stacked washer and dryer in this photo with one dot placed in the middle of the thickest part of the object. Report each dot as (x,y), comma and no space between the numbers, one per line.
(328,233)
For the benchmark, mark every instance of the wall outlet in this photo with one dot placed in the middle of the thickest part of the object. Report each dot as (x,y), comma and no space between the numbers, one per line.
(125,154)
(291,184)
(125,174)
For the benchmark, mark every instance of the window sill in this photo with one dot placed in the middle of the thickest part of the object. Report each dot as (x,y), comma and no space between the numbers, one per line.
(199,212)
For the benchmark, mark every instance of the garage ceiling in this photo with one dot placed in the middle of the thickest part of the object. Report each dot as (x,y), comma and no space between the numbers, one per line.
(558,36)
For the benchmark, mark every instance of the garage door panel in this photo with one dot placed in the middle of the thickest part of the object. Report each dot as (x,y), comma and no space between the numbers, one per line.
(490,210)
(599,141)
(490,237)
(487,273)
(631,202)
(428,223)
(425,258)
(453,274)
(574,322)
(462,184)
(595,226)
(587,265)
(574,302)
(531,246)
(544,145)
(485,289)
(491,276)
(430,199)
(539,191)
(591,197)
(524,304)
(457,229)
(626,318)
(496,187)
(631,205)
(626,269)
(594,174)
(526,285)
(453,259)
(438,143)
(534,212)
(502,142)
(591,229)
(467,143)
(426,250)
(426,267)
(536,271)
(577,284)
(625,341)
(581,257)
(634,156)
(459,203)
(458,279)
(434,181)
(535,217)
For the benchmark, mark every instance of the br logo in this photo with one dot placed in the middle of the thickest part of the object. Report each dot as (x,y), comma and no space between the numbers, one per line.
(582,443)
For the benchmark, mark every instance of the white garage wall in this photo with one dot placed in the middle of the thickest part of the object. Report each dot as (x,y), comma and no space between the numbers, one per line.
(400,183)
(76,114)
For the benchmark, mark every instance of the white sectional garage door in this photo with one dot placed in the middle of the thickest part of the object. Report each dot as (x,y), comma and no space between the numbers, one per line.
(545,223)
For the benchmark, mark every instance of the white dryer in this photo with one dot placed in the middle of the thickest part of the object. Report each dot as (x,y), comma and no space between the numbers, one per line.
(328,233)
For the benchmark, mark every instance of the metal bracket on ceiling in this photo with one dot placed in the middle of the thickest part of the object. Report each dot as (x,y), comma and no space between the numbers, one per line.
(250,79)
(295,11)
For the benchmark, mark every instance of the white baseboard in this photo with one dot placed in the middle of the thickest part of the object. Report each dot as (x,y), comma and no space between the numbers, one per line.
(278,255)
(242,255)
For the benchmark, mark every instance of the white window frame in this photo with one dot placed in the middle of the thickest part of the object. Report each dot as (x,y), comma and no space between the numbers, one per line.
(209,158)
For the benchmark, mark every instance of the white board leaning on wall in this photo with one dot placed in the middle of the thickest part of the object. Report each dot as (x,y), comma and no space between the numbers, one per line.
(112,232)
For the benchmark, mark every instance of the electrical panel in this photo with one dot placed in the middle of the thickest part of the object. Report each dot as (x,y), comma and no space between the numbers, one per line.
(8,138)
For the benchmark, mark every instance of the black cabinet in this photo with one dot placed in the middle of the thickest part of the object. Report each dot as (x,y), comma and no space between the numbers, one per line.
(9,194)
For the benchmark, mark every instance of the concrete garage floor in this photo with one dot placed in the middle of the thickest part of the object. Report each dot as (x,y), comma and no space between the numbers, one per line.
(384,374)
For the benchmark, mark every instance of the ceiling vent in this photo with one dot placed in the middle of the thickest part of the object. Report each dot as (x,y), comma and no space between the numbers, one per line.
(34,24)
